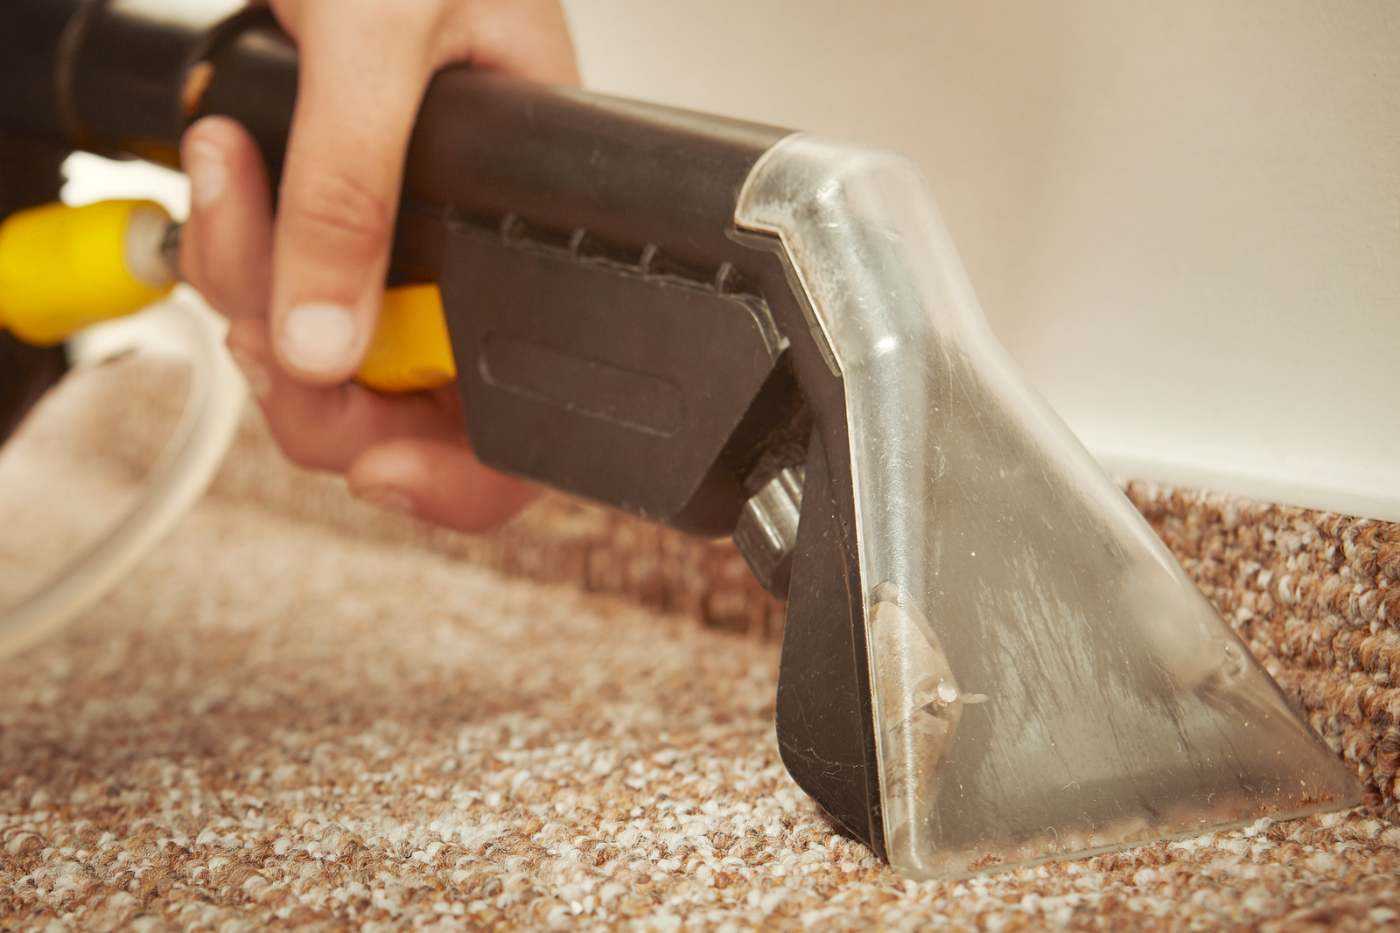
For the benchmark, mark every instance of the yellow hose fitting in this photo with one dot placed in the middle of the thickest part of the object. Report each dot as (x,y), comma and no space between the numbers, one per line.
(65,268)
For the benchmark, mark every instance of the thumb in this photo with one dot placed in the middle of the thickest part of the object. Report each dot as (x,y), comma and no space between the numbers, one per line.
(359,91)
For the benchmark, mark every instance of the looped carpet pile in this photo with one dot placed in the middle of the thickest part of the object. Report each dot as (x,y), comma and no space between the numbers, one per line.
(301,711)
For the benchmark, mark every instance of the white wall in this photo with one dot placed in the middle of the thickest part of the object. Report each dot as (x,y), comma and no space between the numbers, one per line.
(1182,217)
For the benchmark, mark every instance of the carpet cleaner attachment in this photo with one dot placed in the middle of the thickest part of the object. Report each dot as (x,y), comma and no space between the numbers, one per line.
(989,659)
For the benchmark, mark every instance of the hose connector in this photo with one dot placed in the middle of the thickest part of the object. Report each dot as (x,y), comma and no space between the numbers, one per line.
(63,268)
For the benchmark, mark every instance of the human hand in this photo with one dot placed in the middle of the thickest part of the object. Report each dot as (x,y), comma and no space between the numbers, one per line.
(302,289)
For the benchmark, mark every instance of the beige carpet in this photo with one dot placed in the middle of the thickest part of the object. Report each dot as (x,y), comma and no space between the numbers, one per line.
(301,711)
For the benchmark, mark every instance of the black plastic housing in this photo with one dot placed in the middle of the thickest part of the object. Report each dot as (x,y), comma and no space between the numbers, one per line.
(29,175)
(616,336)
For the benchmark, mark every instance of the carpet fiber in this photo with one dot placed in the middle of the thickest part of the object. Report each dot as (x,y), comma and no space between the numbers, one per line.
(300,710)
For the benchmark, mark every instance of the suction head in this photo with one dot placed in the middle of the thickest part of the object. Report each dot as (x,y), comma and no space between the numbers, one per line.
(1025,668)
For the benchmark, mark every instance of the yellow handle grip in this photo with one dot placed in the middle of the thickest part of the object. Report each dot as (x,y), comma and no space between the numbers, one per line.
(411,350)
(66,268)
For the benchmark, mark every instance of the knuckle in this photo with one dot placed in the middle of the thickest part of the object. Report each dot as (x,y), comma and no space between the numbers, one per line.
(229,299)
(214,295)
(215,292)
(341,212)
(192,271)
(301,447)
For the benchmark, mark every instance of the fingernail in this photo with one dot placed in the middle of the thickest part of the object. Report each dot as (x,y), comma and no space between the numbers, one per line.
(319,338)
(204,163)
(387,498)
(254,373)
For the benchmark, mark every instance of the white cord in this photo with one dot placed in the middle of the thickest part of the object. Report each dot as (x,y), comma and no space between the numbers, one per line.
(184,470)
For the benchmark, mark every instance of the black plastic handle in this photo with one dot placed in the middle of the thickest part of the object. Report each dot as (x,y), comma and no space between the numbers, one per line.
(611,332)
(29,175)
(119,76)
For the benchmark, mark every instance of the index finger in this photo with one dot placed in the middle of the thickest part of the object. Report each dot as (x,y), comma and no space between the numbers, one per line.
(359,90)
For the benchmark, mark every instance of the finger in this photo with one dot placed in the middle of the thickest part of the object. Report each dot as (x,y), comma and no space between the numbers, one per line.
(440,481)
(328,428)
(358,93)
(525,38)
(226,247)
